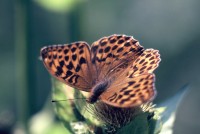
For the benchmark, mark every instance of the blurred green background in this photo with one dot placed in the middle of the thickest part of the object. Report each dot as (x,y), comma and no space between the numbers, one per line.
(26,26)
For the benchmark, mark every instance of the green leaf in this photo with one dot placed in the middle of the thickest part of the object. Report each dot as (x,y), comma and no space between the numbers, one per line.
(155,124)
(83,108)
(169,115)
(64,109)
(139,125)
(56,128)
(44,122)
(70,108)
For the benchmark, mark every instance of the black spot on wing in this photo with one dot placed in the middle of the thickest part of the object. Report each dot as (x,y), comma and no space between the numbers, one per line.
(62,63)
(59,71)
(70,66)
(111,98)
(82,61)
(66,51)
(74,57)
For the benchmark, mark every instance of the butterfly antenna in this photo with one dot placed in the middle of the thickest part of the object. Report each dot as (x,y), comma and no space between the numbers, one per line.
(68,99)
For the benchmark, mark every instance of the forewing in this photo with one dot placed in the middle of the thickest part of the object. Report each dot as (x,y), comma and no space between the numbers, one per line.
(111,55)
(69,63)
(134,91)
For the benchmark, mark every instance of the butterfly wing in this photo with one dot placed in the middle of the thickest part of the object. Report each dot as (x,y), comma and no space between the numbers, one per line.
(134,92)
(147,62)
(70,63)
(113,54)
(136,85)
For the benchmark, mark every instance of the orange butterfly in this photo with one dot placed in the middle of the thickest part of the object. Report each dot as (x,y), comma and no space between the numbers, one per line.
(115,69)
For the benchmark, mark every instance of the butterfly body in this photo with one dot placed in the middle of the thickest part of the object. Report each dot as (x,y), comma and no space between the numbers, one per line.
(97,90)
(115,69)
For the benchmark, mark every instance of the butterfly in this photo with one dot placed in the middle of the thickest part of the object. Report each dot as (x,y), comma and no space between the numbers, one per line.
(116,69)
